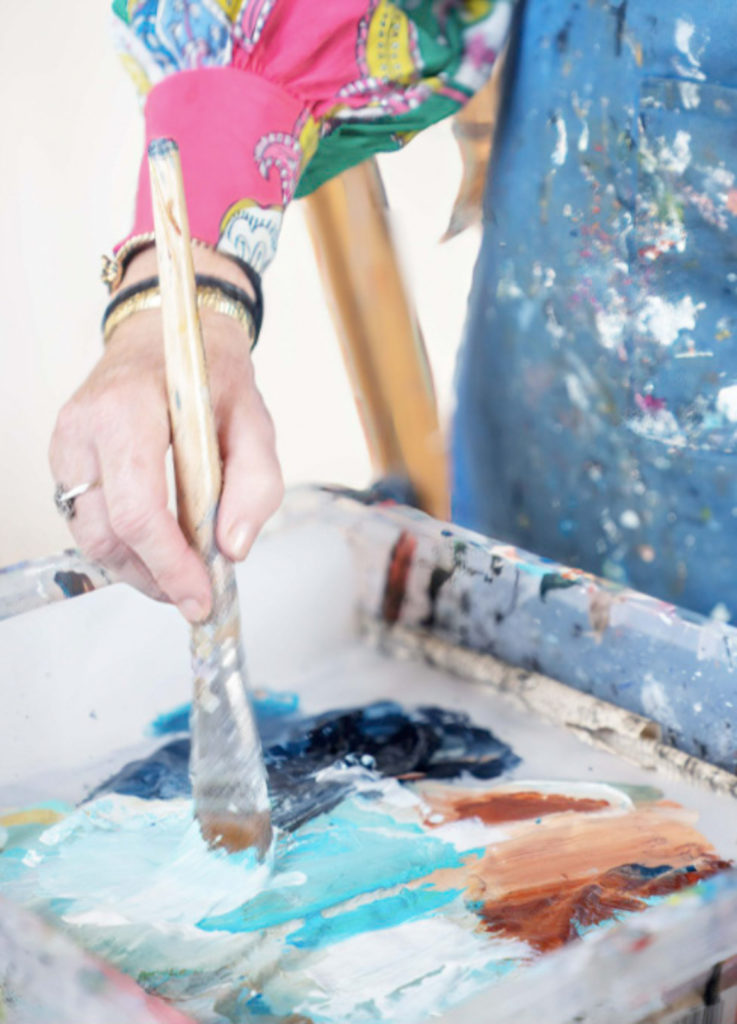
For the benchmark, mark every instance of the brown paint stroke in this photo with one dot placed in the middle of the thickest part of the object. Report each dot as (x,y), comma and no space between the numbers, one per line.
(577,870)
(548,916)
(496,808)
(395,584)
(567,863)
(567,847)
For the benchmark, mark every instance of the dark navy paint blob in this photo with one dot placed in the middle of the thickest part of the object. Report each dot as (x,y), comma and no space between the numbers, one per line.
(72,584)
(430,742)
(163,775)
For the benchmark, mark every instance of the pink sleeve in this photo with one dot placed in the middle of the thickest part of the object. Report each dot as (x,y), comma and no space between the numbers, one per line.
(248,90)
(246,130)
(238,136)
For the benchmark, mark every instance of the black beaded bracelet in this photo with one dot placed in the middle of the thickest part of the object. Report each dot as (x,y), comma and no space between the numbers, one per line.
(124,294)
(254,306)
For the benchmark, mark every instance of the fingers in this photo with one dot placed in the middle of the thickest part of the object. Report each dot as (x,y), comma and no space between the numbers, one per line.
(73,463)
(116,430)
(134,483)
(252,482)
(93,532)
(120,438)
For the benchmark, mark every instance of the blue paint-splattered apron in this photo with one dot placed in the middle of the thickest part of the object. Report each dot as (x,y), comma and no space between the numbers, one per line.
(597,386)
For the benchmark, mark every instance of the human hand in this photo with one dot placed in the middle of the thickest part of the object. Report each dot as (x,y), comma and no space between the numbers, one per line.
(115,430)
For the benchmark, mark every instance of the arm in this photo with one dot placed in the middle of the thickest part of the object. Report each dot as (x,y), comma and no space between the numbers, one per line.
(264,104)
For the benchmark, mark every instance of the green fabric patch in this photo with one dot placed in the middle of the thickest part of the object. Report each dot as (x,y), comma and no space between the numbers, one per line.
(120,7)
(352,142)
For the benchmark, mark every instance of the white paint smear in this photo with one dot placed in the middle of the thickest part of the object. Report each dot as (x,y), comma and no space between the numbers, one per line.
(727,402)
(561,145)
(439,955)
(664,320)
(676,158)
(655,703)
(684,35)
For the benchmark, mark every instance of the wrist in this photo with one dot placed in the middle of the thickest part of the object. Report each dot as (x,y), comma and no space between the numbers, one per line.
(205,259)
(142,294)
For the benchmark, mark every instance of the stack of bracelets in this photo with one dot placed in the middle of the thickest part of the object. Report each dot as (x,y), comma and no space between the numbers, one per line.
(212,293)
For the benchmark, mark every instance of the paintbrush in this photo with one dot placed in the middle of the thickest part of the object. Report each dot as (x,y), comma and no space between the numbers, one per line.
(226,765)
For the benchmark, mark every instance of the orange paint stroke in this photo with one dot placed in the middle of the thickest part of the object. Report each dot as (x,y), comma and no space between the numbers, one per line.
(31,816)
(495,808)
(566,847)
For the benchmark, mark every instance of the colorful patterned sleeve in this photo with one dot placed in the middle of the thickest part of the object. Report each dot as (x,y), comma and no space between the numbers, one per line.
(268,99)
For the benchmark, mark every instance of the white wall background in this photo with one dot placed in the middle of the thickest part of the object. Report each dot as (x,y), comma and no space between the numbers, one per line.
(69,150)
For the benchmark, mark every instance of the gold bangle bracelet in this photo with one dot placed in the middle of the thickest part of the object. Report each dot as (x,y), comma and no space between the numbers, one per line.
(114,266)
(208,297)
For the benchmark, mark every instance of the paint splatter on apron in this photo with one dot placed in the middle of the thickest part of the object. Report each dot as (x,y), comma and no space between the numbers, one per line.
(597,386)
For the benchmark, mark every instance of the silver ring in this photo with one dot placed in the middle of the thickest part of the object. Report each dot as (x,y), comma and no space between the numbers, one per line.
(64,497)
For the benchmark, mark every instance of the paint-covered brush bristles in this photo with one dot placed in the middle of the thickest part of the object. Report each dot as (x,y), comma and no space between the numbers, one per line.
(226,765)
(229,780)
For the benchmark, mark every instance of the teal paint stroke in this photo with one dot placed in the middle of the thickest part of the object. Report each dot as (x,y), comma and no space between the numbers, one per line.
(267,705)
(144,861)
(352,851)
(409,904)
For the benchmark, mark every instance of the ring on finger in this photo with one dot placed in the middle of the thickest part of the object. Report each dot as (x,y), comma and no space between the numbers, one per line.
(65,497)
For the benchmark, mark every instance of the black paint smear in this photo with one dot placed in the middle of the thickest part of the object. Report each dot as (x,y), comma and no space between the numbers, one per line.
(393,490)
(429,742)
(72,584)
(438,578)
(561,39)
(554,581)
(620,15)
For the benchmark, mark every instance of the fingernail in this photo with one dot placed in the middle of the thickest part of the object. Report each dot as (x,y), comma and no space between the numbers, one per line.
(238,540)
(191,609)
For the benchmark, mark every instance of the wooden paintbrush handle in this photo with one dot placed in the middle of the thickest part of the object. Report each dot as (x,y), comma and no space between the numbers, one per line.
(194,436)
(228,777)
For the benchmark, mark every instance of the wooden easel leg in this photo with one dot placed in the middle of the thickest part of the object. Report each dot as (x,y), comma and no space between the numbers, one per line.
(379,333)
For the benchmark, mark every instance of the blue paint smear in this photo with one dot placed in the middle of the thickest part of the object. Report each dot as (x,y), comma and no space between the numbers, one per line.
(319,931)
(428,741)
(176,720)
(353,851)
(337,846)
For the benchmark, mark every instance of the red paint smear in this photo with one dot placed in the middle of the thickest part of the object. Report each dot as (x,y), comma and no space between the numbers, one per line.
(495,808)
(547,917)
(397,576)
(648,403)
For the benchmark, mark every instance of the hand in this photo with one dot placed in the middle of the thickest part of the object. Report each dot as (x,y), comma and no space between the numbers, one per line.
(115,429)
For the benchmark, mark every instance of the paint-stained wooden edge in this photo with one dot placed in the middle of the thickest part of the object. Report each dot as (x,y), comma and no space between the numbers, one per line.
(597,722)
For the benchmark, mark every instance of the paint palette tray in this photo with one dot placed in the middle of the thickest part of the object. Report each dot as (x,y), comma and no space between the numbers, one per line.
(555,789)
